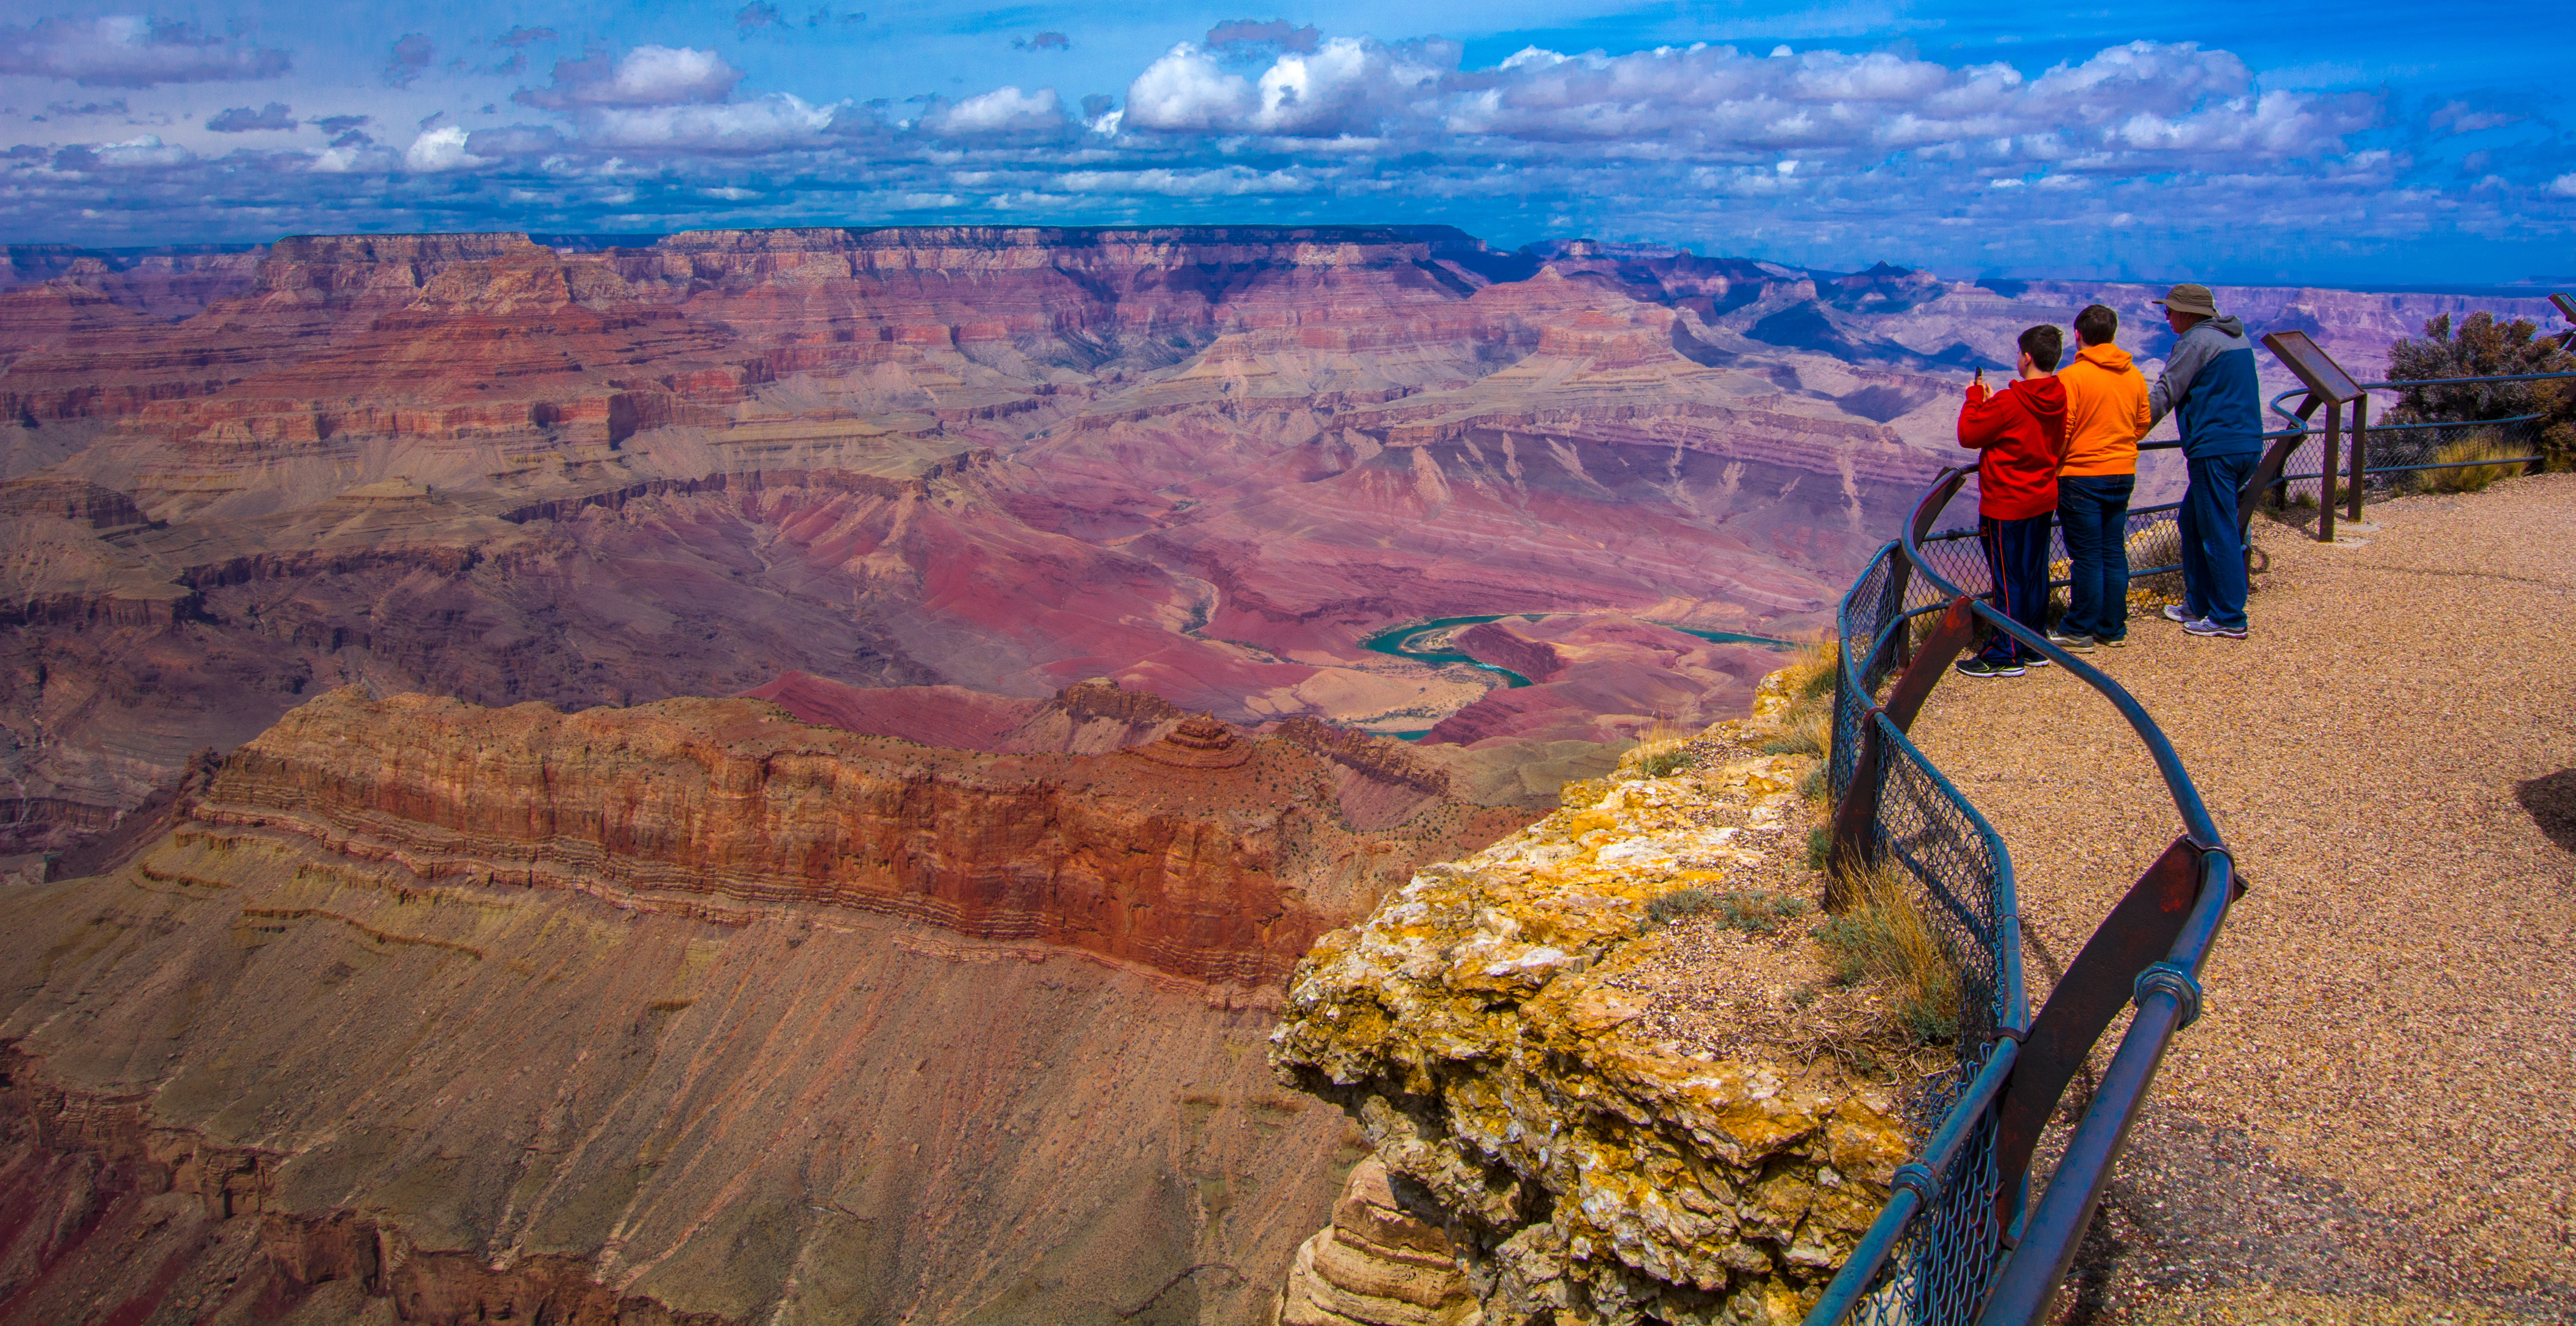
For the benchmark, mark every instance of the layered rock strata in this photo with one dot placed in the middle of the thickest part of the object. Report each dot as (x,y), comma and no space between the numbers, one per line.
(1483,1027)
(1377,1264)
(1201,853)
(688,1012)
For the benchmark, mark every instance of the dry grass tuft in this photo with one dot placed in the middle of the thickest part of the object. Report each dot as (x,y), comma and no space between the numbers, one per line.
(1882,937)
(1805,730)
(2469,478)
(1810,670)
(1655,759)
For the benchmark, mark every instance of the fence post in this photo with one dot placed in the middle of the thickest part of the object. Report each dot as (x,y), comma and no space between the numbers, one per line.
(2326,473)
(2360,443)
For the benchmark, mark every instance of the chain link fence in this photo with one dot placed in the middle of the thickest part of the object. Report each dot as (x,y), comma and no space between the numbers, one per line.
(2399,458)
(1956,875)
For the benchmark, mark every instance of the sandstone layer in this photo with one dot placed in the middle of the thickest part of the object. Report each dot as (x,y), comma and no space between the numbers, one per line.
(1379,1263)
(1484,1027)
(689,1012)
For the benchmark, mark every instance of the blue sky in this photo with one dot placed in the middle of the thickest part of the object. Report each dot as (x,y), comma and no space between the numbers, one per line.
(2350,144)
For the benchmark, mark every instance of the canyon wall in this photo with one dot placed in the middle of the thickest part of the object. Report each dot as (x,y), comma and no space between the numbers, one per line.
(690,1012)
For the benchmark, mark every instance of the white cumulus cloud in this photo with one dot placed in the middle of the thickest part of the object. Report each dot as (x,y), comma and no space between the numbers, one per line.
(442,148)
(763,124)
(1003,110)
(644,76)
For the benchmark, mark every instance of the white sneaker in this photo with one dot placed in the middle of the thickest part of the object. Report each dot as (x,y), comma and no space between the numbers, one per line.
(2174,613)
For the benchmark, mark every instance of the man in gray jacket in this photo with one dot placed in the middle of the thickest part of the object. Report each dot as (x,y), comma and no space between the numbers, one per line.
(2209,385)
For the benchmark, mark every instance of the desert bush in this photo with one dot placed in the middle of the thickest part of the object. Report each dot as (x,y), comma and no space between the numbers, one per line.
(2484,347)
(1883,937)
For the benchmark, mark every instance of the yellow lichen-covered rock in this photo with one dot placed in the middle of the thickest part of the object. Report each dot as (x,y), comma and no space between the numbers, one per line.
(1474,1026)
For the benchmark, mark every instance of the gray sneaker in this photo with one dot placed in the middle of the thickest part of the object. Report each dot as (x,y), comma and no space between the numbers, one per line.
(2207,627)
(2078,643)
(2174,613)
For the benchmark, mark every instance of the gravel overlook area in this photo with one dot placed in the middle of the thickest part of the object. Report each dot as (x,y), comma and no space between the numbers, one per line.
(2375,1121)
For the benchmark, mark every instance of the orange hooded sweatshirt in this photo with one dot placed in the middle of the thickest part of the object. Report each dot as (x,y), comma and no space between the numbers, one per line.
(2106,412)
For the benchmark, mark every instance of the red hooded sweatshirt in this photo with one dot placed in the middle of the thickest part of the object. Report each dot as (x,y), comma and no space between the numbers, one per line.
(2022,431)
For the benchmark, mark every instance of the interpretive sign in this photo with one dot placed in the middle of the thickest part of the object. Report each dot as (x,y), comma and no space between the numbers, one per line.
(2325,378)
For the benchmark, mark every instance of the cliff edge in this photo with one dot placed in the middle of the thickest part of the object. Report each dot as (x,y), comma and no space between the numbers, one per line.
(1529,1050)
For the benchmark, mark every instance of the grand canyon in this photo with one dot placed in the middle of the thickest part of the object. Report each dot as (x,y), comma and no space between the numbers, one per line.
(779,776)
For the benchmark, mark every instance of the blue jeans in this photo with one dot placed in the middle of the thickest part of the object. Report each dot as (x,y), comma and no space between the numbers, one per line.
(2213,545)
(2093,509)
(2017,558)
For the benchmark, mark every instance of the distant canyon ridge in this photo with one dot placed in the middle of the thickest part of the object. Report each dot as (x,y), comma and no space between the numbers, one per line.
(1206,463)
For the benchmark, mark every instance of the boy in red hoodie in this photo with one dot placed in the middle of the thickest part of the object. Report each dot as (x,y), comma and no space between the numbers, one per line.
(2022,431)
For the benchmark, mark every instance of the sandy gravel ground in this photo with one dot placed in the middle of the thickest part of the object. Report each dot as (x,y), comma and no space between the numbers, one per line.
(2376,1120)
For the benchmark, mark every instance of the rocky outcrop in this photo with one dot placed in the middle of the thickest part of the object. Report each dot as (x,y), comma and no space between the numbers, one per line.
(1377,1264)
(1493,1029)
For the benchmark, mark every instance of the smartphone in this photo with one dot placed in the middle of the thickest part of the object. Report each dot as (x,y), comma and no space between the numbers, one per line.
(1981,375)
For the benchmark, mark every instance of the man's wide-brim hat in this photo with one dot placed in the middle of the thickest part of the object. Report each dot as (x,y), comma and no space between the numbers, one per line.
(2188,298)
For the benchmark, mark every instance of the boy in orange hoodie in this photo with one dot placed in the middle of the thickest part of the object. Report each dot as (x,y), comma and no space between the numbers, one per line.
(2022,432)
(2106,414)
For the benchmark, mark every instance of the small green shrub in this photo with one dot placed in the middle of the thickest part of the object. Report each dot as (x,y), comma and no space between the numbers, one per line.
(1761,911)
(1820,848)
(1672,907)
(1754,911)
(1811,784)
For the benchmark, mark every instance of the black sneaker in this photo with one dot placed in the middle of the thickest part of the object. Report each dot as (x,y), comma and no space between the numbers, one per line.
(2035,659)
(1978,667)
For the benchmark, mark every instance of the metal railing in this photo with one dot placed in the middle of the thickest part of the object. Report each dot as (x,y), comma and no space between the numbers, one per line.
(1960,1240)
(2369,459)
(2511,436)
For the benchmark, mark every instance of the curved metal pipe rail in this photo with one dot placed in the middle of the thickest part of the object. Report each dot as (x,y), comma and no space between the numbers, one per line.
(1959,1241)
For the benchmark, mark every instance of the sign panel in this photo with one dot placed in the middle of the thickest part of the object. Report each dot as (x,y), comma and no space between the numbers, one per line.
(2325,378)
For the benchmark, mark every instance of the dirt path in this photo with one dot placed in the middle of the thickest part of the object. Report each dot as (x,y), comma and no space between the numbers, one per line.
(2376,1121)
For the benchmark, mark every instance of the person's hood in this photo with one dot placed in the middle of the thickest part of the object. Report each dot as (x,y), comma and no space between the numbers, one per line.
(2105,355)
(2044,397)
(2229,325)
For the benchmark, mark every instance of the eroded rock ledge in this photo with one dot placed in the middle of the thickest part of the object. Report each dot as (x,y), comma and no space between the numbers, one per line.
(1481,1027)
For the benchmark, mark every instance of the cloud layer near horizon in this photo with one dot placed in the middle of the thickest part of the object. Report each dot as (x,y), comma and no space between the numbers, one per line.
(2139,155)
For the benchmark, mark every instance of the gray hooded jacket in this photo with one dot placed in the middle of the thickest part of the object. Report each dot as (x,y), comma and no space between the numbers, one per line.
(2210,381)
